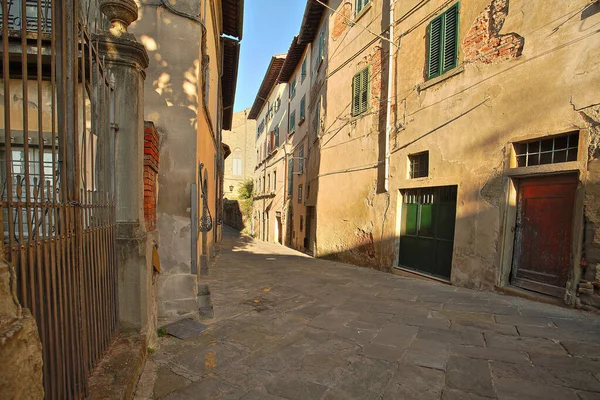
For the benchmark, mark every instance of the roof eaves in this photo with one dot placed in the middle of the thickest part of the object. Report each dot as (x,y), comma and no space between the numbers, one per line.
(268,82)
(233,18)
(292,60)
(310,21)
(231,57)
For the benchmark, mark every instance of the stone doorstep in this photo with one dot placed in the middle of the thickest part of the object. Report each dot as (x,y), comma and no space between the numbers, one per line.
(116,377)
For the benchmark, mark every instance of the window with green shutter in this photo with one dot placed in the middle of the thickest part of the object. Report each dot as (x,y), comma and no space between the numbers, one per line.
(317,121)
(360,92)
(301,160)
(290,176)
(442,43)
(293,122)
(321,46)
(293,88)
(303,70)
(360,5)
(303,108)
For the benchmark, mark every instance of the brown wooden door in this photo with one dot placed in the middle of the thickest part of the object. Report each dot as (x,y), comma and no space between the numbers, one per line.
(542,257)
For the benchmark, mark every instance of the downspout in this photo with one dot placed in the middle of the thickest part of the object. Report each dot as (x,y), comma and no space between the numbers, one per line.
(388,118)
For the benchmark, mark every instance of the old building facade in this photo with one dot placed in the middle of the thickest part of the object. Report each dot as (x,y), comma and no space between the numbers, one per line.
(189,97)
(239,166)
(464,149)
(271,112)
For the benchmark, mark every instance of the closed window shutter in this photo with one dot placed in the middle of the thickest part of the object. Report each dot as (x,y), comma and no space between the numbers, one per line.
(277,137)
(321,45)
(317,117)
(450,38)
(356,95)
(290,176)
(435,47)
(364,90)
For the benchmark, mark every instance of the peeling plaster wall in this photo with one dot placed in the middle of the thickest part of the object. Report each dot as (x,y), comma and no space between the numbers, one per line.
(466,119)
(589,288)
(21,362)
(350,213)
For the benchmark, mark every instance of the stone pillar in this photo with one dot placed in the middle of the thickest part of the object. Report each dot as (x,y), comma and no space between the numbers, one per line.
(126,59)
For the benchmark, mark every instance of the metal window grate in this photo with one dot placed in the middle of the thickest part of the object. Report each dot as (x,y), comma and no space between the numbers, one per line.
(553,150)
(419,165)
(431,195)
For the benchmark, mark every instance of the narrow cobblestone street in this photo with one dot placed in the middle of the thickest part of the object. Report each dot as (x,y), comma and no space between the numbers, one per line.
(288,326)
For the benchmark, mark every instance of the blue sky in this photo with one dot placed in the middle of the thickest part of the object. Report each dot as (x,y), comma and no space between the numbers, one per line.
(269,26)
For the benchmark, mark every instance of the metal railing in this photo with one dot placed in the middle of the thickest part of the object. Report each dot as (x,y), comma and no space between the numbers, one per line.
(57,209)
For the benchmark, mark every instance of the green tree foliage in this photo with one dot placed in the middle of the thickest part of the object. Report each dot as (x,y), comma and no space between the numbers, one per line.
(245,190)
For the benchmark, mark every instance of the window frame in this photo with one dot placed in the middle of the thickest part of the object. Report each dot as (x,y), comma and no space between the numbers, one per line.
(417,158)
(442,68)
(299,193)
(360,6)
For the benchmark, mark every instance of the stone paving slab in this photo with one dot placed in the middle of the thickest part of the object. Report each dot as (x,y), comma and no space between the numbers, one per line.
(287,326)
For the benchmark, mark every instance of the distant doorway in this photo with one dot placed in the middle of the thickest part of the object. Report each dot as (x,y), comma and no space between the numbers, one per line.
(543,233)
(427,233)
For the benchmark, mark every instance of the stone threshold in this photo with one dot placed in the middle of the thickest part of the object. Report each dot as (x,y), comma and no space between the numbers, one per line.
(418,275)
(116,377)
(529,295)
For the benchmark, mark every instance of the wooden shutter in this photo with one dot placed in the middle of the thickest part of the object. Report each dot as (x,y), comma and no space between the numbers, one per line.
(364,90)
(356,94)
(435,47)
(450,38)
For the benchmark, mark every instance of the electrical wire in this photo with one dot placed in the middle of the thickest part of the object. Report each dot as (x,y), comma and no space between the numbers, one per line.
(356,23)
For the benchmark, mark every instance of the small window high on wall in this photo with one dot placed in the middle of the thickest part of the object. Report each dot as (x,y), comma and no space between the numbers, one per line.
(552,150)
(419,165)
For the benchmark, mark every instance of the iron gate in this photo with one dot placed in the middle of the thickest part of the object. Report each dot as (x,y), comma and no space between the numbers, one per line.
(57,176)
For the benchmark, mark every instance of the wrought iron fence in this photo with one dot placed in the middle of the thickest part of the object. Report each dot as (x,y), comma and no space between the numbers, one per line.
(57,208)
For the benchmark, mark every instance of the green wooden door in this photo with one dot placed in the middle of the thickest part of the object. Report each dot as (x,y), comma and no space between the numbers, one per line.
(427,238)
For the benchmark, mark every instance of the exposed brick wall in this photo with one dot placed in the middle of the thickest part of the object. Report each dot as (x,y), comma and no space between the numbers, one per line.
(484,44)
(151,158)
(340,22)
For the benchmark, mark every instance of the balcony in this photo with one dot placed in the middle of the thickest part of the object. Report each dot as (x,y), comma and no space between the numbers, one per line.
(16,18)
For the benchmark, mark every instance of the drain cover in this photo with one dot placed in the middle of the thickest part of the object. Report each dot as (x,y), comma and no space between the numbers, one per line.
(186,328)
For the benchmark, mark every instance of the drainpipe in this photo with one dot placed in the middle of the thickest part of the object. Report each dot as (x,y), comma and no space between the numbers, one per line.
(388,119)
